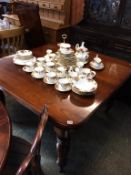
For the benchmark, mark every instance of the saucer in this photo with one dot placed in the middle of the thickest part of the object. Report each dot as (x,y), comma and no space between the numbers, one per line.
(100,67)
(61,89)
(27,69)
(20,62)
(37,76)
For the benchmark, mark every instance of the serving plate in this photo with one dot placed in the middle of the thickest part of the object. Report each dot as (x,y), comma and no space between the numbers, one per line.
(82,87)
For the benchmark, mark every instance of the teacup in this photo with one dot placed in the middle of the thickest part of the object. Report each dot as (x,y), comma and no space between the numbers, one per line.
(97,61)
(80,64)
(87,73)
(51,77)
(39,70)
(52,56)
(64,83)
(49,66)
(29,66)
(39,63)
(61,71)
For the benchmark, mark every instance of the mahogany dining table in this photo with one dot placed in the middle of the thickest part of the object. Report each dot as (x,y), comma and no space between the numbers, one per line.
(67,110)
(5,134)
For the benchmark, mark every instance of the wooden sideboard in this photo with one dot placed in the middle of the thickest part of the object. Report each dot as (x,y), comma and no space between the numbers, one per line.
(106,26)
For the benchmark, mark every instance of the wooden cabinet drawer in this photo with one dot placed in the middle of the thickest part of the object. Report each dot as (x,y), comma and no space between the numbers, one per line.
(45,5)
(58,7)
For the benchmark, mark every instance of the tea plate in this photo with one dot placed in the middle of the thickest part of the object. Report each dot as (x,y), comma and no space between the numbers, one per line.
(100,67)
(37,76)
(20,62)
(59,88)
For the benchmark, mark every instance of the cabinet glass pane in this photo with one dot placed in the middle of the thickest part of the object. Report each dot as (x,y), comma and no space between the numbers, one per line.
(102,11)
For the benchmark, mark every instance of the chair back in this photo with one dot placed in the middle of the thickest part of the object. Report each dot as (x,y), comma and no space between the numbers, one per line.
(11,40)
(35,148)
(34,35)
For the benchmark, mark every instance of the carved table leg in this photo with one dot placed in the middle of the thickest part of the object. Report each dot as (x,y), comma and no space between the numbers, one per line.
(62,146)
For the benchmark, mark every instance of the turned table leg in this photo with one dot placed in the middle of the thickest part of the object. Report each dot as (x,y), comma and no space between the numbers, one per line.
(62,146)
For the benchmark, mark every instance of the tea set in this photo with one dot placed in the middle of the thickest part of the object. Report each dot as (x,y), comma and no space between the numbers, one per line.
(73,77)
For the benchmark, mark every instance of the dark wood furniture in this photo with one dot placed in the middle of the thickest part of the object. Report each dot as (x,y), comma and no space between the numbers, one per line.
(5,133)
(24,157)
(64,108)
(30,19)
(106,26)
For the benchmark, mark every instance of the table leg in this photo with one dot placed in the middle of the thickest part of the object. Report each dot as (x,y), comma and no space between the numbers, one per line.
(62,146)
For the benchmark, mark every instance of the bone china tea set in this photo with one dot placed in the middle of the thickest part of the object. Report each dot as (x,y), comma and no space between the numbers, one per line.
(64,69)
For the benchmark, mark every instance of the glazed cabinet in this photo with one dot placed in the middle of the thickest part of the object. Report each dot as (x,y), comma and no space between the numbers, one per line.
(106,26)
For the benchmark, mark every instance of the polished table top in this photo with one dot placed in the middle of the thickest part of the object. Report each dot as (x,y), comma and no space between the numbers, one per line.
(63,107)
(5,135)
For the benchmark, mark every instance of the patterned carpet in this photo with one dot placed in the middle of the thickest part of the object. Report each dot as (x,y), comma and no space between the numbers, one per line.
(99,147)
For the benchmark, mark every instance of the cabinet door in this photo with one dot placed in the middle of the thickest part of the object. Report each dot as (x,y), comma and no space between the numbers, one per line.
(102,11)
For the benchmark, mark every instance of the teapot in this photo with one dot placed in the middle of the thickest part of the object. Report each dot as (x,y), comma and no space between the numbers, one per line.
(81,53)
(82,56)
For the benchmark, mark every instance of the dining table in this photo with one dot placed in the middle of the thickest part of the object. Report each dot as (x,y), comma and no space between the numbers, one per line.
(67,110)
(5,132)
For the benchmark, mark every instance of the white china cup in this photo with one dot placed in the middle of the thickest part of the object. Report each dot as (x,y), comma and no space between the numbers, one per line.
(87,73)
(39,70)
(64,83)
(49,66)
(61,71)
(51,77)
(29,66)
(97,61)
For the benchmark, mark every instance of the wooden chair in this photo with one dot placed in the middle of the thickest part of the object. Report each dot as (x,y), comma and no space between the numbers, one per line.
(29,17)
(11,40)
(24,157)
